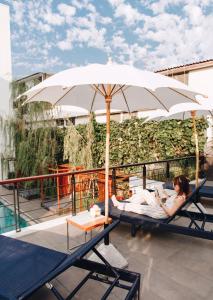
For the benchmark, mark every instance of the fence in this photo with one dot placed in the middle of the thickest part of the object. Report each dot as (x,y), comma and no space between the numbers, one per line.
(35,199)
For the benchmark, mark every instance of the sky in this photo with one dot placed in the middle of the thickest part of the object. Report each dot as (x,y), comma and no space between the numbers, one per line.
(52,35)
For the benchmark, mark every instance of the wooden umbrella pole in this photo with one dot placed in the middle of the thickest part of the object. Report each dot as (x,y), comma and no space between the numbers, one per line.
(193,114)
(108,100)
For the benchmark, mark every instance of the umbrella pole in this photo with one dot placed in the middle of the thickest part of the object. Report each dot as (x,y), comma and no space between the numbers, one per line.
(108,100)
(193,114)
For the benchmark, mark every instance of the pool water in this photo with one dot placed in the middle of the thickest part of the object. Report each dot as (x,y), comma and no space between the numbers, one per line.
(7,220)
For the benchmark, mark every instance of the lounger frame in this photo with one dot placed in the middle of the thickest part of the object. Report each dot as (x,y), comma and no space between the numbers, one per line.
(101,272)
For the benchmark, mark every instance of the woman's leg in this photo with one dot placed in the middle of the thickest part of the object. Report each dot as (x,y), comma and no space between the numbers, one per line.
(115,201)
(155,212)
(144,196)
(149,198)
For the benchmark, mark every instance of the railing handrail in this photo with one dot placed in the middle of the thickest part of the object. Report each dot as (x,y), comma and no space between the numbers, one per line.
(70,173)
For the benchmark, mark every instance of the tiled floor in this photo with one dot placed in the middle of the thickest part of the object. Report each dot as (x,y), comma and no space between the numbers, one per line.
(172,266)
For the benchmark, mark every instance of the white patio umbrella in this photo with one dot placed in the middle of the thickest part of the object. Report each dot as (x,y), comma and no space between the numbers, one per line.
(111,86)
(184,111)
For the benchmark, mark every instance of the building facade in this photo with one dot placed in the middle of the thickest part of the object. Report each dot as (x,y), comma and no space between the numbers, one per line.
(5,68)
(199,77)
(5,59)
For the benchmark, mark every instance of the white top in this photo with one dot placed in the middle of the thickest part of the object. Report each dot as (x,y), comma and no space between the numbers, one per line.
(170,201)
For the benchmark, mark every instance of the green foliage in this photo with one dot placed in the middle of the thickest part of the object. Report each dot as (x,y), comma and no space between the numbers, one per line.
(36,151)
(78,143)
(135,141)
(34,143)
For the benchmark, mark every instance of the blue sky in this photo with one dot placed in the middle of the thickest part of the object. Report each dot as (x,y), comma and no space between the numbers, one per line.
(54,35)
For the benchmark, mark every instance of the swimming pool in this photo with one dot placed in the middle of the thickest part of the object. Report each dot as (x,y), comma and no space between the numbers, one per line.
(7,219)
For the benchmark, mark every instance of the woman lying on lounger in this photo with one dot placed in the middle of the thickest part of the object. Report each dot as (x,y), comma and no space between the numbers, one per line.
(149,204)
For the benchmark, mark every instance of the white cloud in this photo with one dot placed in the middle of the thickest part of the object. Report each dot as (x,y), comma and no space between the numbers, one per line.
(53,19)
(92,37)
(178,39)
(46,65)
(194,13)
(66,10)
(84,4)
(148,33)
(126,11)
(18,16)
(162,5)
(127,53)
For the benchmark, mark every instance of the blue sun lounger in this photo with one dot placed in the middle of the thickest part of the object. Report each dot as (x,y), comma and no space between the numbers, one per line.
(25,267)
(195,221)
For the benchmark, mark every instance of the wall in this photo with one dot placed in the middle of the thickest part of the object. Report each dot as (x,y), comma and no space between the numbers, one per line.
(201,80)
(5,65)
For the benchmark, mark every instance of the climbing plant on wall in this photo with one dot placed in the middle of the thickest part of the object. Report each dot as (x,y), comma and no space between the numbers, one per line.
(78,144)
(28,138)
(135,141)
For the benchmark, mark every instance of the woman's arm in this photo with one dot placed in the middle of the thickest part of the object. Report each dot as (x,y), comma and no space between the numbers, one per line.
(166,194)
(177,203)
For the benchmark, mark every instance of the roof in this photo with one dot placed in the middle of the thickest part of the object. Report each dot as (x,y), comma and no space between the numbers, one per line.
(32,76)
(187,67)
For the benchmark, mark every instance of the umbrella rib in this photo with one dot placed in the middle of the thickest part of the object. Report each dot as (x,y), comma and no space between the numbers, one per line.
(103,87)
(125,99)
(112,89)
(193,100)
(70,89)
(34,95)
(118,90)
(98,90)
(93,100)
(161,103)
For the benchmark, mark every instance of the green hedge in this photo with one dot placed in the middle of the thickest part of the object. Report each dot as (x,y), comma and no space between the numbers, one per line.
(135,141)
(131,141)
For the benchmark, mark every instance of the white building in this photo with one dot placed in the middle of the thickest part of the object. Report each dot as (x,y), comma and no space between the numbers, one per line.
(5,59)
(5,65)
(199,77)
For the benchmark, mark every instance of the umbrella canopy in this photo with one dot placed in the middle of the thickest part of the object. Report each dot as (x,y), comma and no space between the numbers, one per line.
(184,111)
(111,86)
(179,111)
(132,89)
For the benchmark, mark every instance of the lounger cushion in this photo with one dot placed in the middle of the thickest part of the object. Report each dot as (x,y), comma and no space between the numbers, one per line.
(113,211)
(126,216)
(23,265)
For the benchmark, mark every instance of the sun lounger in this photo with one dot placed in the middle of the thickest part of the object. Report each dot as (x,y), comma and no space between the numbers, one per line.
(25,267)
(196,220)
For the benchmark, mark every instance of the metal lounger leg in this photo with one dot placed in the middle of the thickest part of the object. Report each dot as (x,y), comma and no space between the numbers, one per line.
(133,230)
(50,286)
(203,215)
(68,245)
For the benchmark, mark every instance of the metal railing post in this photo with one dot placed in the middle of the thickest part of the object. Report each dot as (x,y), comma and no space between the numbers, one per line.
(201,166)
(2,168)
(144,176)
(114,190)
(18,207)
(42,192)
(167,170)
(73,195)
(14,206)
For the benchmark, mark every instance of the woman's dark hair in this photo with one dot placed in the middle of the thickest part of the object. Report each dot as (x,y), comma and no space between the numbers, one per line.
(183,183)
